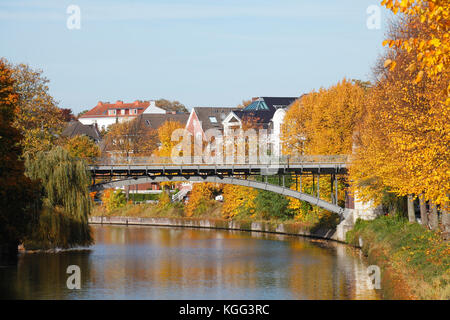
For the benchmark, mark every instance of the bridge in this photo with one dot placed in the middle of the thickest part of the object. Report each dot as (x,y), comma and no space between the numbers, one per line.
(119,172)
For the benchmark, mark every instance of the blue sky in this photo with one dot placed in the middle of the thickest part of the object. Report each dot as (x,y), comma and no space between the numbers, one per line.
(200,52)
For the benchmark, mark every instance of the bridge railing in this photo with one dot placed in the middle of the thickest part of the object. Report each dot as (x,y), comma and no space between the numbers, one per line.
(273,161)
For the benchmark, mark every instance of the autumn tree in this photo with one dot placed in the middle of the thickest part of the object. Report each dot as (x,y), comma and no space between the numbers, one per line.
(201,199)
(113,199)
(238,201)
(82,147)
(67,115)
(168,105)
(430,48)
(19,196)
(323,122)
(130,138)
(403,140)
(165,137)
(38,117)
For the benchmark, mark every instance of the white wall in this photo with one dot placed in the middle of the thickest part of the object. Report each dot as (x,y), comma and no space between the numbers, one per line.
(104,122)
(277,120)
(152,108)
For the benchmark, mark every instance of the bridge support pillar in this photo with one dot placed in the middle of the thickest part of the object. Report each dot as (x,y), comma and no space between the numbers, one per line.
(344,226)
(361,210)
(365,210)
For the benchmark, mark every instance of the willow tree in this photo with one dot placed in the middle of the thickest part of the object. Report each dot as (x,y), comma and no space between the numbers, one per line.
(66,202)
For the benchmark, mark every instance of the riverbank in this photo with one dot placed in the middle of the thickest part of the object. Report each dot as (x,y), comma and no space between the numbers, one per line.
(296,229)
(414,261)
(174,216)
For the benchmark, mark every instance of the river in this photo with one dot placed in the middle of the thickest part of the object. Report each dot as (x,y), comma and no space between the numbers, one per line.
(137,262)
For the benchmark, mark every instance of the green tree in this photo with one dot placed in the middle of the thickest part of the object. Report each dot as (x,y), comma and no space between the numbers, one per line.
(19,200)
(271,205)
(113,199)
(66,202)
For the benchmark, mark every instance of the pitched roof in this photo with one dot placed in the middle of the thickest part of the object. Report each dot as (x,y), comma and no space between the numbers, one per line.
(154,120)
(211,117)
(101,109)
(270,103)
(260,116)
(76,128)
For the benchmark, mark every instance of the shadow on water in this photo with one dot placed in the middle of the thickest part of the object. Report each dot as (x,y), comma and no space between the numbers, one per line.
(42,275)
(176,263)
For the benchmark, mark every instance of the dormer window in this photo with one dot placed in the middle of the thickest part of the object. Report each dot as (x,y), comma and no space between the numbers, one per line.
(123,111)
(213,119)
(112,112)
(134,111)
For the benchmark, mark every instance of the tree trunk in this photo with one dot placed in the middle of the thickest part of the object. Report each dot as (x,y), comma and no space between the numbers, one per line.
(411,214)
(446,224)
(433,218)
(423,211)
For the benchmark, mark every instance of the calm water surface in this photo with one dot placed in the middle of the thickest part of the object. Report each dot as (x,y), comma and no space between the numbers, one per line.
(167,263)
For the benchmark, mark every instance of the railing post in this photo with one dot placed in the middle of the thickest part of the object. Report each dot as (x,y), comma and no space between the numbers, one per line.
(336,188)
(318,185)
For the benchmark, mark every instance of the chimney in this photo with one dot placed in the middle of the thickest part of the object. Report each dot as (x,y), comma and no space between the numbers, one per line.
(99,103)
(119,102)
(254,99)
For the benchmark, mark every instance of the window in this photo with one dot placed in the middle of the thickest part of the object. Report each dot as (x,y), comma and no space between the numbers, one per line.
(134,111)
(147,122)
(213,119)
(112,112)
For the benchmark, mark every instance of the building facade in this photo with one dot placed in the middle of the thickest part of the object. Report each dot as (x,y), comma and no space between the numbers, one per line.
(105,114)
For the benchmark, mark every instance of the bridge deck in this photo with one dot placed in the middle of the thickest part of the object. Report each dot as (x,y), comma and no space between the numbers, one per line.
(224,169)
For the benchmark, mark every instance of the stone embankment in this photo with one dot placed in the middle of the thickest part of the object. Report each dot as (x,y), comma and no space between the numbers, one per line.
(268,227)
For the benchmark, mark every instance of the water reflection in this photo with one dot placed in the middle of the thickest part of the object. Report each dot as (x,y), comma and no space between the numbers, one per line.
(167,263)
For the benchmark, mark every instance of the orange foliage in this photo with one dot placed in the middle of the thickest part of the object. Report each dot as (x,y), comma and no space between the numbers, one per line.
(200,199)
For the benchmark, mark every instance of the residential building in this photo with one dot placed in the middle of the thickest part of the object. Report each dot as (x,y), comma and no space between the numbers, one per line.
(76,128)
(105,114)
(202,119)
(154,121)
(263,113)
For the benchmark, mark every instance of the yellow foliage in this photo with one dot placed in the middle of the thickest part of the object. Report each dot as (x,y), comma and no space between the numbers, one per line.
(404,138)
(200,199)
(237,199)
(323,122)
(431,47)
(82,147)
(165,137)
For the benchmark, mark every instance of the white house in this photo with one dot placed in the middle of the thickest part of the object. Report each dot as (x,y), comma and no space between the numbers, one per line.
(105,114)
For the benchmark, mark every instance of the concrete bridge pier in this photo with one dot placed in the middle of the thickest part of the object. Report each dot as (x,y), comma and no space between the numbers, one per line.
(361,210)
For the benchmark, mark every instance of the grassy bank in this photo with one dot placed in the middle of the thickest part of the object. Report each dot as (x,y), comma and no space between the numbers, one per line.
(414,261)
(177,210)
